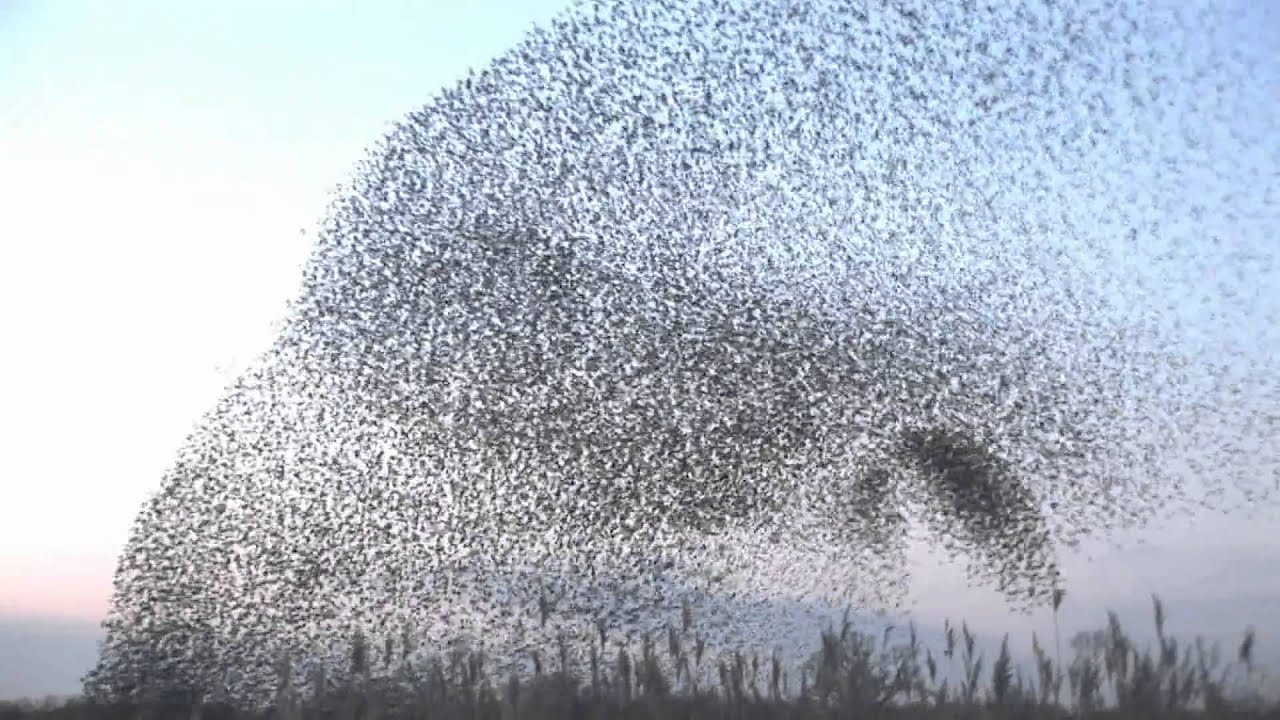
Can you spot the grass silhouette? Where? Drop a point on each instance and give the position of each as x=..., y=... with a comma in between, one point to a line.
x=853, y=674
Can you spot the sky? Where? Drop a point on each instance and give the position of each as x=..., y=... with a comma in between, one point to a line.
x=161, y=167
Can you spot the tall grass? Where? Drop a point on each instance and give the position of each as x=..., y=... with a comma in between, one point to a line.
x=852, y=674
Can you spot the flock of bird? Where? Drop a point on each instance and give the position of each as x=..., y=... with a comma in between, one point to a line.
x=708, y=304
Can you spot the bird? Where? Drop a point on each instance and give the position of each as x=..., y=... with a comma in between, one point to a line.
x=604, y=317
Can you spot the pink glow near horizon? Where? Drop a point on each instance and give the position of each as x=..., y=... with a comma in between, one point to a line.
x=73, y=586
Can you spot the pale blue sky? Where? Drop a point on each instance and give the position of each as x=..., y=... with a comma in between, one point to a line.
x=157, y=163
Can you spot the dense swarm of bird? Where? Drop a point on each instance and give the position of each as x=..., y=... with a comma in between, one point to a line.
x=675, y=289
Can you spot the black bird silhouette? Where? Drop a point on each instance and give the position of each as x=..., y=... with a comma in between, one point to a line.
x=681, y=302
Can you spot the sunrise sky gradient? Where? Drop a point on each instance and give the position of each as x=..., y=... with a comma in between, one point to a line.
x=161, y=165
